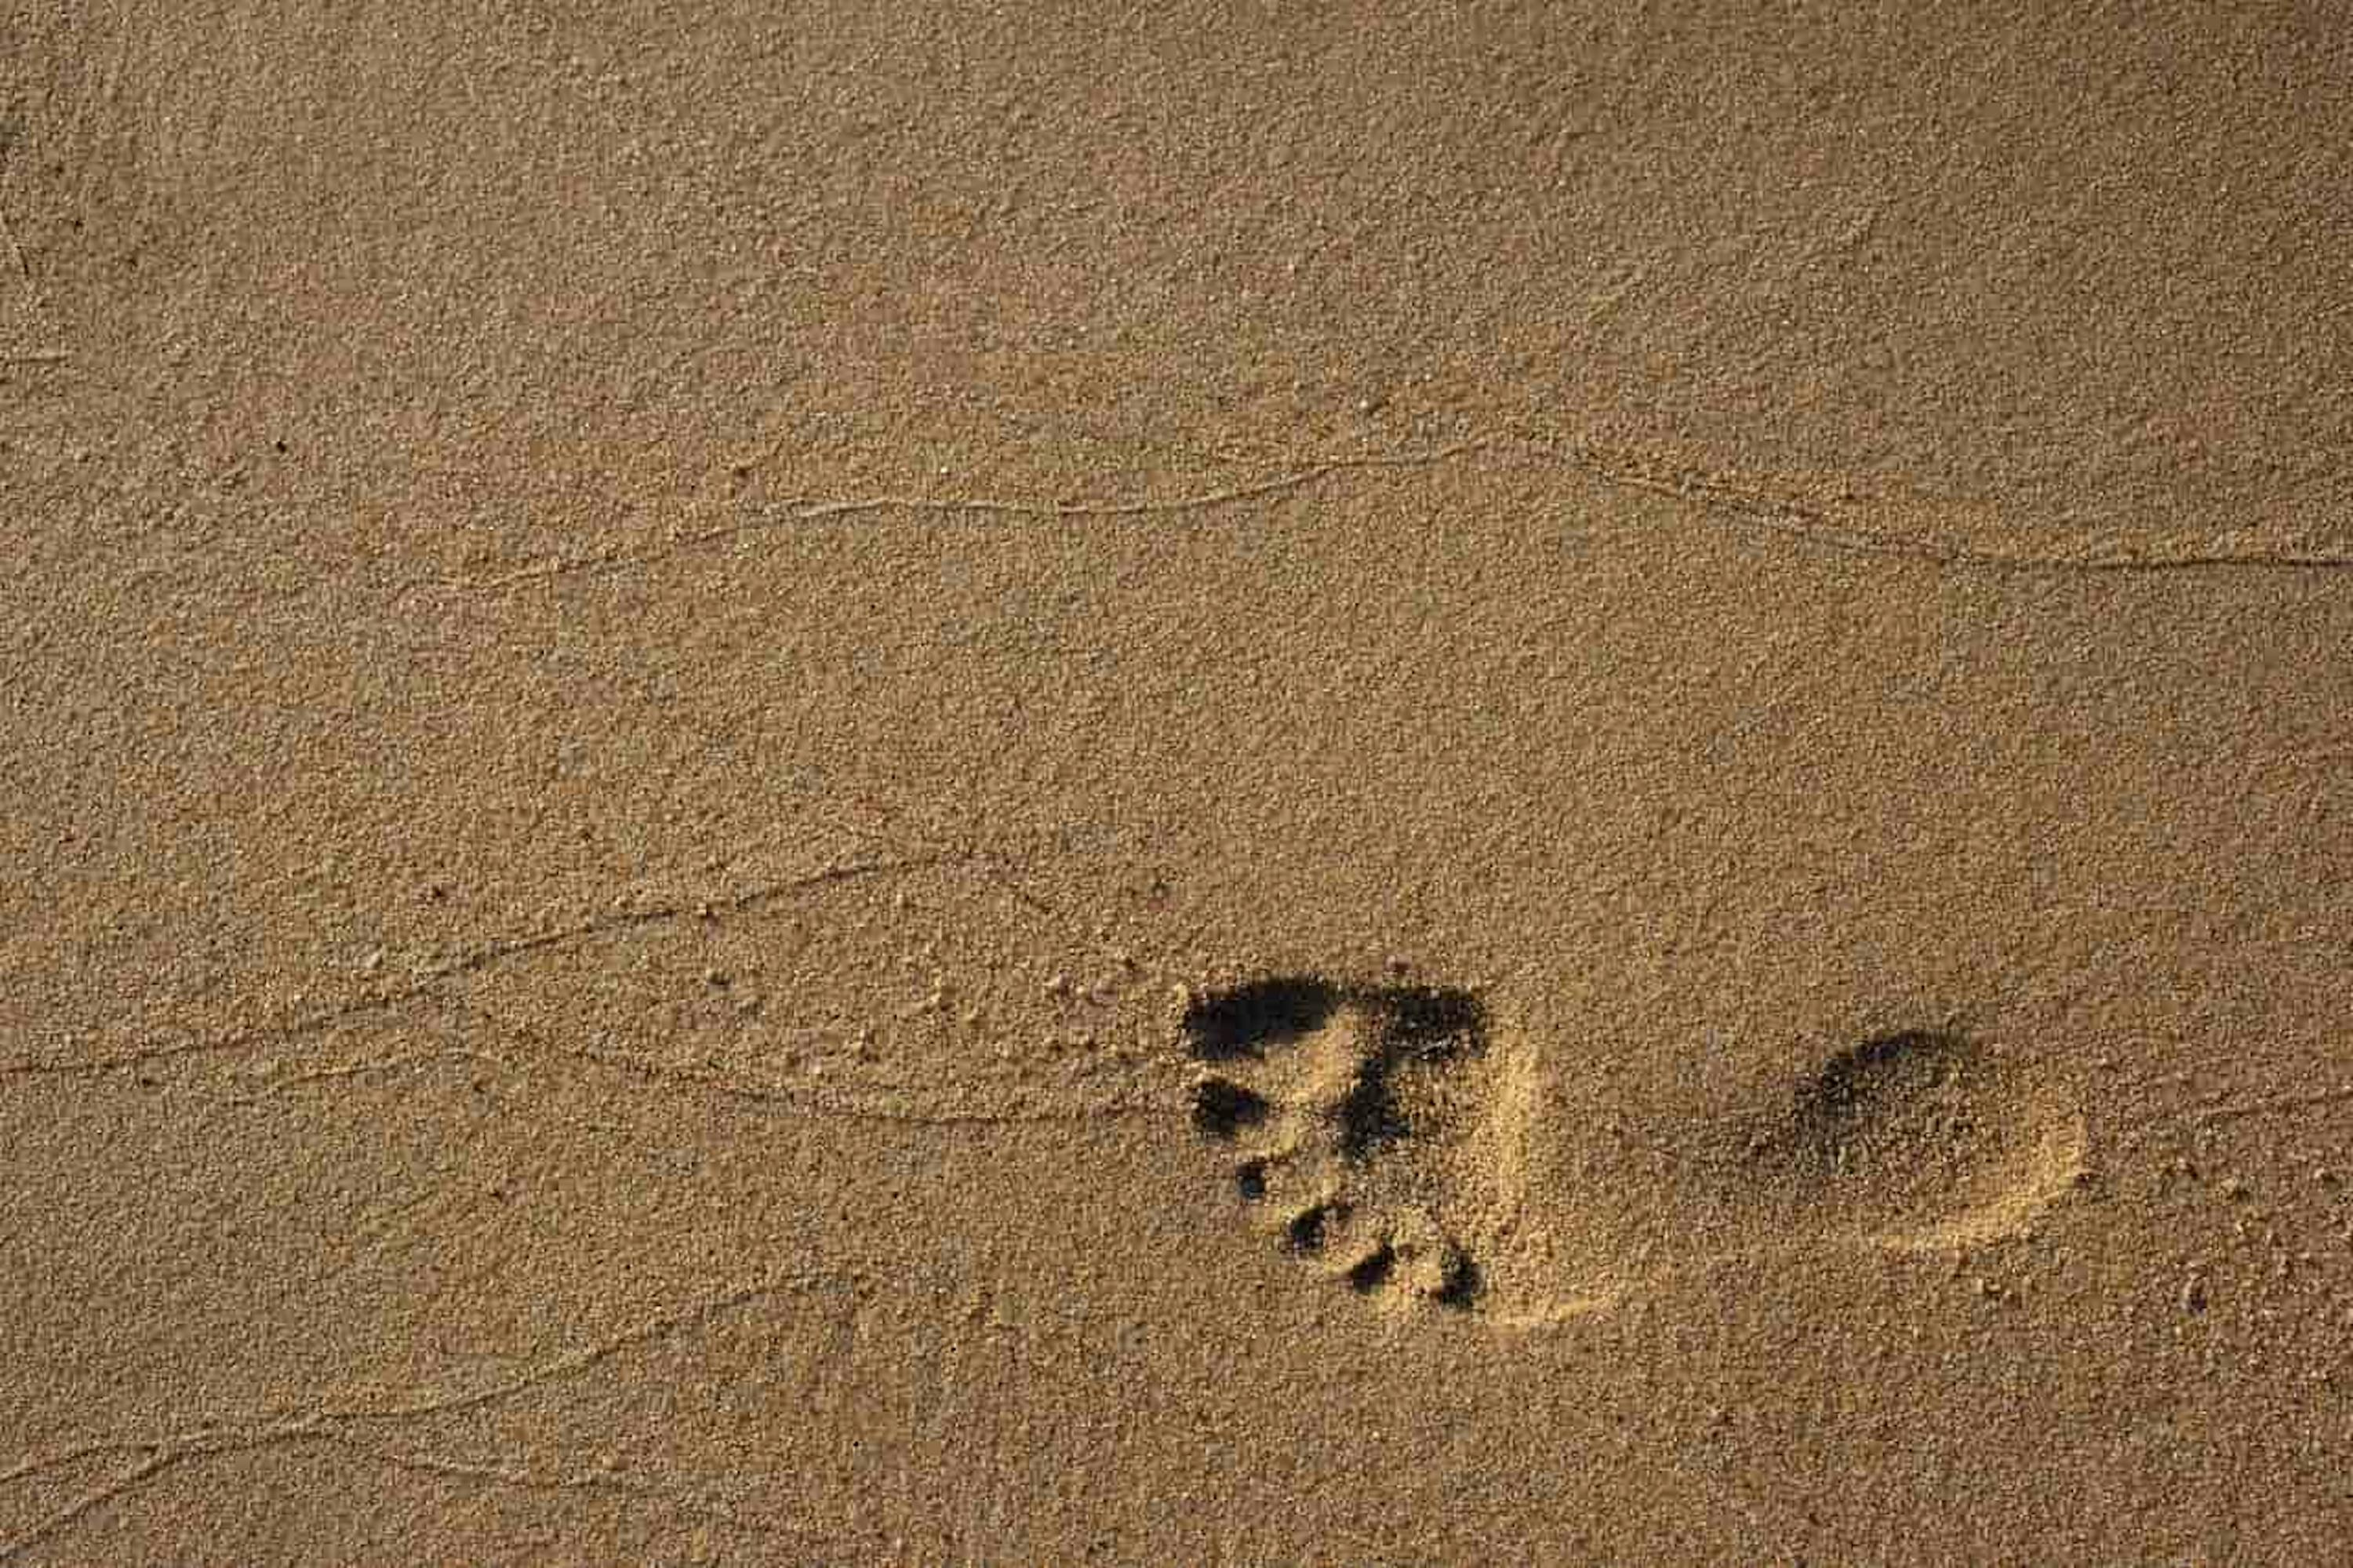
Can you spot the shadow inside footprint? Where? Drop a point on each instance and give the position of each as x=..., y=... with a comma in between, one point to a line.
x=1371, y=1272
x=1892, y=1097
x=1916, y=1139
x=1432, y=1022
x=1222, y=1109
x=1247, y=1020
x=1369, y=1115
x=1416, y=1027
x=1349, y=1105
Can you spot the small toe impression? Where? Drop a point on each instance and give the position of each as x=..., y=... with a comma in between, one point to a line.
x=1222, y=1108
x=1310, y=1229
x=1432, y=1265
x=1451, y=1280
x=1372, y=1271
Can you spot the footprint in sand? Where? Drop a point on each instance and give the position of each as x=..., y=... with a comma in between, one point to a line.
x=1400, y=1140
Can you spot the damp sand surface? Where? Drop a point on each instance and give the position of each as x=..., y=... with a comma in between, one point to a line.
x=878, y=785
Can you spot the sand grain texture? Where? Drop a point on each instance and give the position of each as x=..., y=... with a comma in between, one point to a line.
x=888, y=784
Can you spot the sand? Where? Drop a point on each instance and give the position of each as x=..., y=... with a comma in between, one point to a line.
x=1247, y=785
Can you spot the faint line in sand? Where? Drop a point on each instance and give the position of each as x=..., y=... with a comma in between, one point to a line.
x=330, y=1420
x=32, y=299
x=786, y=512
x=2244, y=1110
x=965, y=1102
x=883, y=1103
x=968, y=1103
x=24, y=268
x=1747, y=504
x=483, y=958
x=1760, y=508
x=894, y=1103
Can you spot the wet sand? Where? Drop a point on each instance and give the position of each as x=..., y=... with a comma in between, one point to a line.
x=1419, y=786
